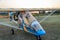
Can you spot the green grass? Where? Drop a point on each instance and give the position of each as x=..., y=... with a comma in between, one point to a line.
x=7, y=21
x=52, y=27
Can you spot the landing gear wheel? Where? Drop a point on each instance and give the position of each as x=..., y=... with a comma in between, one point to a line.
x=12, y=31
x=38, y=37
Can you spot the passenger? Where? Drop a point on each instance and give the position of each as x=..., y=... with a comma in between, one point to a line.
x=20, y=20
x=11, y=14
x=26, y=22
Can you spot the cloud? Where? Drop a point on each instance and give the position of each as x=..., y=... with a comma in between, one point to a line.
x=30, y=4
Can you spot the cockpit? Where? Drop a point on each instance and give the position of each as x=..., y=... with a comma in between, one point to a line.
x=36, y=26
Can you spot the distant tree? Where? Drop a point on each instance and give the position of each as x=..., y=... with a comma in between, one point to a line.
x=3, y=13
x=57, y=12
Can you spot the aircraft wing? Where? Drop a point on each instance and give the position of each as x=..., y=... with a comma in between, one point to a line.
x=7, y=23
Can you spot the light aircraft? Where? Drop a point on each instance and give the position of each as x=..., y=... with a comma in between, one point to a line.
x=29, y=24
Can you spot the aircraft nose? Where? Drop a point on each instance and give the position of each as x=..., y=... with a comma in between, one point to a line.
x=41, y=32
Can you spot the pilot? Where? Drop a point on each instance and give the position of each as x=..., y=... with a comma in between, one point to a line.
x=11, y=14
x=22, y=19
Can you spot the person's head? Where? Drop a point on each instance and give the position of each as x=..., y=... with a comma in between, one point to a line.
x=10, y=11
x=22, y=12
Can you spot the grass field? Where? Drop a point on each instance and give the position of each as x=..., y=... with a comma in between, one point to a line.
x=51, y=26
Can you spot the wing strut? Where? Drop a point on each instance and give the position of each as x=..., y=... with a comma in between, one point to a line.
x=47, y=16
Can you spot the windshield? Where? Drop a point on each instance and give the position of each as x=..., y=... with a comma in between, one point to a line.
x=36, y=26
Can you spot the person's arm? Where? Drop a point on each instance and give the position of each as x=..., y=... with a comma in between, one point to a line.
x=19, y=18
x=9, y=13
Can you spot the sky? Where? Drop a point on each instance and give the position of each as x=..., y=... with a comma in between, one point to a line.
x=29, y=3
